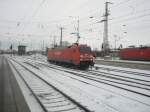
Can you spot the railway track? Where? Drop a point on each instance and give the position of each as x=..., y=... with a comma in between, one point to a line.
x=128, y=80
x=123, y=71
x=137, y=86
x=127, y=87
x=49, y=97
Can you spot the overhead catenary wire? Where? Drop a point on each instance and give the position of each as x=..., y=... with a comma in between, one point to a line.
x=120, y=3
x=35, y=12
x=56, y=20
x=121, y=17
x=84, y=24
x=130, y=14
x=132, y=18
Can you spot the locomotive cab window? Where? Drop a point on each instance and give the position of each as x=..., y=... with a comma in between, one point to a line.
x=85, y=49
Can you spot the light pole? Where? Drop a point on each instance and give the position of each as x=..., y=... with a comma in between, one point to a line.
x=115, y=36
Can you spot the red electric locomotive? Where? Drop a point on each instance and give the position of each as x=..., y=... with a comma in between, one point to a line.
x=140, y=53
x=77, y=55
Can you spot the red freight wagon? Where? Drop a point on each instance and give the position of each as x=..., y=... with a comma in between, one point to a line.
x=77, y=55
x=142, y=53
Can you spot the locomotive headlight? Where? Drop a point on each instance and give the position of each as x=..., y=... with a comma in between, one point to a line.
x=91, y=56
x=81, y=56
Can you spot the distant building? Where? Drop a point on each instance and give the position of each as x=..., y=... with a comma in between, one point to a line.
x=21, y=50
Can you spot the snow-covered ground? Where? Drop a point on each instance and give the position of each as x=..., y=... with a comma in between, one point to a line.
x=126, y=61
x=122, y=68
x=96, y=96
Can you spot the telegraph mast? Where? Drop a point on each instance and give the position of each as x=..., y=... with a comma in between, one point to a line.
x=105, y=45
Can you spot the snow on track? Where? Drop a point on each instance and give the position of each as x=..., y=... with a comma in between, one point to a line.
x=96, y=96
x=49, y=97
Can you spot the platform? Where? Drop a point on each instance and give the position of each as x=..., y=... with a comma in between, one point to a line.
x=11, y=98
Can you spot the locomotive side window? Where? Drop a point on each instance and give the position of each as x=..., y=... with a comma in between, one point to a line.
x=85, y=49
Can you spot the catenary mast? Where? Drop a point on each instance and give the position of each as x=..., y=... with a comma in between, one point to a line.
x=105, y=45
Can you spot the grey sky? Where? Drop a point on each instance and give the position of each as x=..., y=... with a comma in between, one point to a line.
x=31, y=22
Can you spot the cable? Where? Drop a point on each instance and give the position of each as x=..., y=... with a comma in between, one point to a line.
x=36, y=11
x=120, y=3
x=133, y=18
x=120, y=17
x=130, y=14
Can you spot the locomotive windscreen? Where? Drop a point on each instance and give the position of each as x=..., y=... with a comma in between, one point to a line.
x=85, y=49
